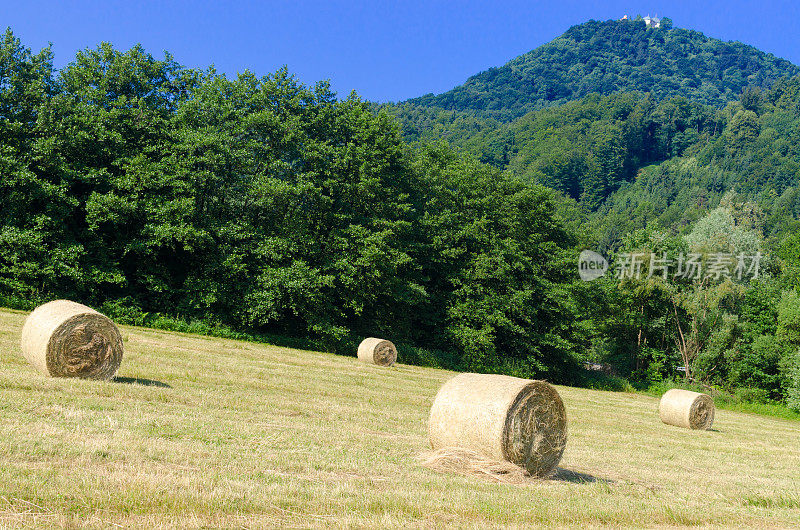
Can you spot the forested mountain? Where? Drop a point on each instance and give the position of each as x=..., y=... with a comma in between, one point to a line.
x=659, y=141
x=487, y=115
x=610, y=56
x=639, y=95
x=629, y=159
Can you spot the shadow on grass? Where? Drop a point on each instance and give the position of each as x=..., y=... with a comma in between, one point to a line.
x=567, y=475
x=138, y=381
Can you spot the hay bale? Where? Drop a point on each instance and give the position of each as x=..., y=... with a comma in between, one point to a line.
x=67, y=339
x=684, y=408
x=502, y=418
x=377, y=351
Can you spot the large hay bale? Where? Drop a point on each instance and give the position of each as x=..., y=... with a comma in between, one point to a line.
x=377, y=351
x=503, y=418
x=67, y=339
x=684, y=408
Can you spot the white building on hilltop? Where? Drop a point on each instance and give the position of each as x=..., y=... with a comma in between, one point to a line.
x=654, y=22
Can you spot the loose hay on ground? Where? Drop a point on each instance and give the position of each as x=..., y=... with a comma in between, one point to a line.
x=66, y=339
x=472, y=464
x=501, y=418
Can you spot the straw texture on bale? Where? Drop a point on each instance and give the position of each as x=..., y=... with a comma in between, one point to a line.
x=67, y=339
x=684, y=408
x=502, y=418
x=377, y=351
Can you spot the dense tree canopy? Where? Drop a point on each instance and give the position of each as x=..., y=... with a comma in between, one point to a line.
x=134, y=184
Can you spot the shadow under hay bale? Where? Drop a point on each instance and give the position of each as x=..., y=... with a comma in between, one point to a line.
x=576, y=477
x=684, y=408
x=66, y=339
x=502, y=419
x=139, y=381
x=377, y=351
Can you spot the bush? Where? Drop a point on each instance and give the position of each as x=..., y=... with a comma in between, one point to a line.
x=752, y=395
x=789, y=318
x=125, y=311
x=655, y=363
x=759, y=366
x=600, y=381
x=792, y=368
x=408, y=354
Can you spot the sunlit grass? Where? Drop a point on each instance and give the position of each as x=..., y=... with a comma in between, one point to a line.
x=210, y=432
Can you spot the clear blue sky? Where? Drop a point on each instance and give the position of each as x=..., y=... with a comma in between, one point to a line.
x=386, y=51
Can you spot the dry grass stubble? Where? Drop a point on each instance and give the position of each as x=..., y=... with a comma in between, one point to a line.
x=247, y=435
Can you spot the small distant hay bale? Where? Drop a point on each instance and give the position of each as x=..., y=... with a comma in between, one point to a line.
x=66, y=339
x=684, y=408
x=377, y=351
x=501, y=418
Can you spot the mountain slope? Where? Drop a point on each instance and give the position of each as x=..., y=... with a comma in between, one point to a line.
x=612, y=56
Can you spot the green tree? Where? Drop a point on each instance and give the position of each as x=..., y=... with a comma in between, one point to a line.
x=743, y=129
x=499, y=259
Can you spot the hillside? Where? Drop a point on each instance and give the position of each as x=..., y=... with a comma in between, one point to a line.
x=200, y=432
x=589, y=148
x=612, y=56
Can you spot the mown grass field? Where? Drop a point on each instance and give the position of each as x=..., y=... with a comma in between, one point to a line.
x=206, y=432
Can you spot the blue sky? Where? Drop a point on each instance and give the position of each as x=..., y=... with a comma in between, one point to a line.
x=386, y=51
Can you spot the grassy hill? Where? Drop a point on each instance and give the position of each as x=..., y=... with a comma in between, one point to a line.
x=200, y=431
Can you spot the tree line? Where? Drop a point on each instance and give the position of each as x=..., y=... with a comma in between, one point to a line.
x=142, y=187
x=145, y=188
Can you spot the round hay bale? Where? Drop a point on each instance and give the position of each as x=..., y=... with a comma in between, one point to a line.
x=377, y=351
x=503, y=418
x=67, y=339
x=684, y=408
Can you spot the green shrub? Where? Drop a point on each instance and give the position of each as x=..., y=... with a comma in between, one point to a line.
x=789, y=318
x=600, y=381
x=759, y=366
x=433, y=358
x=793, y=382
x=752, y=395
